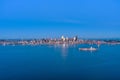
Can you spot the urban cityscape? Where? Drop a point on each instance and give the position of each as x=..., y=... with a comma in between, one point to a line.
x=54, y=41
x=59, y=39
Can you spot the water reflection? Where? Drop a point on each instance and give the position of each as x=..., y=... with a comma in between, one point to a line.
x=63, y=49
x=98, y=45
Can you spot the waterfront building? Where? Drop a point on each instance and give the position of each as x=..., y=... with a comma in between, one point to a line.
x=63, y=38
x=75, y=38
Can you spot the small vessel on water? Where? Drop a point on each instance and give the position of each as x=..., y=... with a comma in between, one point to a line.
x=88, y=49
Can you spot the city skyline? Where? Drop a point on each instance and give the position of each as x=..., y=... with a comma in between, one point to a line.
x=46, y=19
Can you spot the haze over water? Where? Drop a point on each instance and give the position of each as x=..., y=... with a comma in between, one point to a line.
x=47, y=62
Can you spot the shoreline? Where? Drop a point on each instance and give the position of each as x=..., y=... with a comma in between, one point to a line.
x=57, y=42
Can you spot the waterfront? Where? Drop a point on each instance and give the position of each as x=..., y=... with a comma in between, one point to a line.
x=58, y=41
x=59, y=62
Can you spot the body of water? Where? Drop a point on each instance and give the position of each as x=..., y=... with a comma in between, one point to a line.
x=60, y=62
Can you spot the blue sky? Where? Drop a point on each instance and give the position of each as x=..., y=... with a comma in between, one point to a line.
x=53, y=18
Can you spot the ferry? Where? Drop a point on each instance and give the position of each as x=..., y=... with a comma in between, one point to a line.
x=88, y=49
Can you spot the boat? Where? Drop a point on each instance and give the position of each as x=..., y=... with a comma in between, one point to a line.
x=88, y=49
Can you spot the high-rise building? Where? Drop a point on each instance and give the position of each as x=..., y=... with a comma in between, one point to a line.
x=75, y=38
x=63, y=38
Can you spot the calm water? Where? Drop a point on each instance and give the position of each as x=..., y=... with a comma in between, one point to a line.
x=59, y=63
